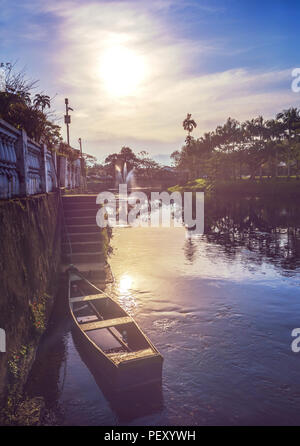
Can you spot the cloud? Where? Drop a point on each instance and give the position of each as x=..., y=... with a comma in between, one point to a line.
x=151, y=116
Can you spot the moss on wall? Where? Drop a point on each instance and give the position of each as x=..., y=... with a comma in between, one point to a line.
x=29, y=268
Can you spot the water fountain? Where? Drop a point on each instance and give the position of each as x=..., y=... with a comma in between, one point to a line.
x=123, y=180
x=124, y=177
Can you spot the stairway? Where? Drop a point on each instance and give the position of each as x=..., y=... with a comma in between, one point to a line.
x=82, y=232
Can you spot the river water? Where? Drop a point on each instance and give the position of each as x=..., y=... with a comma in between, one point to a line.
x=220, y=308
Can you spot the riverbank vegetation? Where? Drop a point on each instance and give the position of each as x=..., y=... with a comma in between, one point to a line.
x=280, y=186
x=238, y=154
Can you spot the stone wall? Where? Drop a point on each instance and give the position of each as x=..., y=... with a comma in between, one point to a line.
x=29, y=268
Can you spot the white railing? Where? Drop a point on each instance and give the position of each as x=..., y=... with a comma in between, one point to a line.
x=51, y=169
x=28, y=168
x=34, y=168
x=9, y=178
x=70, y=173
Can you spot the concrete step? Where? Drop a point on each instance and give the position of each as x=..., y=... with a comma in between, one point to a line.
x=79, y=201
x=79, y=197
x=82, y=231
x=84, y=257
x=98, y=271
x=82, y=228
x=69, y=206
x=86, y=212
x=82, y=237
x=82, y=220
x=81, y=247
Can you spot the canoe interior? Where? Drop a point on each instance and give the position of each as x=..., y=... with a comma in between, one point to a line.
x=108, y=326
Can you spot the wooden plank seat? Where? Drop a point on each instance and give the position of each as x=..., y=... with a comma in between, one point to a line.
x=119, y=357
x=87, y=319
x=106, y=323
x=86, y=298
x=74, y=278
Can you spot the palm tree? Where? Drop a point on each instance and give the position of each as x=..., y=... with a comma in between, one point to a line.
x=256, y=134
x=189, y=125
x=41, y=100
x=291, y=120
x=275, y=133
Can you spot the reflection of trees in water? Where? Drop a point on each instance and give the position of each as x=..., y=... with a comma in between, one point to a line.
x=268, y=228
x=190, y=250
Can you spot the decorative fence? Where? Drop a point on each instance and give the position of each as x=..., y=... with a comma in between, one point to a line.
x=70, y=173
x=9, y=178
x=28, y=168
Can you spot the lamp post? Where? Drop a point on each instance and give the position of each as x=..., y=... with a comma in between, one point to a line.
x=68, y=119
x=81, y=165
x=80, y=145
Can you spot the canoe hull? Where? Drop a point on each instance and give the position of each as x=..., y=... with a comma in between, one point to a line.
x=125, y=376
x=135, y=362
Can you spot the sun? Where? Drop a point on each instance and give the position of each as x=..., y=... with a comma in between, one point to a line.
x=122, y=70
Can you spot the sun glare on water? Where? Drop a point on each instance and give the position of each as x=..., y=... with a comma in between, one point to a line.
x=122, y=70
x=125, y=283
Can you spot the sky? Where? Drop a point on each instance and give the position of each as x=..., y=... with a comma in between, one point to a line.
x=132, y=70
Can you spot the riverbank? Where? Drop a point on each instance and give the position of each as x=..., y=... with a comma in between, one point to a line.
x=29, y=269
x=244, y=187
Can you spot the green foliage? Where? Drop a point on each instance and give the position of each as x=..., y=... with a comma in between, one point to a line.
x=199, y=185
x=41, y=100
x=16, y=360
x=189, y=124
x=38, y=311
x=142, y=163
x=147, y=166
x=281, y=186
x=65, y=150
x=13, y=365
x=18, y=108
x=19, y=409
x=234, y=150
x=114, y=160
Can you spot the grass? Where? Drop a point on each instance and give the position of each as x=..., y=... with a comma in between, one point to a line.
x=200, y=185
x=282, y=186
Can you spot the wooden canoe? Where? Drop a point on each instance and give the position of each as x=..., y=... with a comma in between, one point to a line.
x=117, y=346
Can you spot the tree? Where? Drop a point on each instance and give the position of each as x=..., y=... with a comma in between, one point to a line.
x=291, y=120
x=176, y=157
x=127, y=156
x=274, y=144
x=234, y=148
x=189, y=124
x=115, y=160
x=17, y=108
x=41, y=100
x=146, y=165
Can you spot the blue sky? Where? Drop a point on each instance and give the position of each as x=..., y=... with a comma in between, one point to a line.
x=133, y=69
